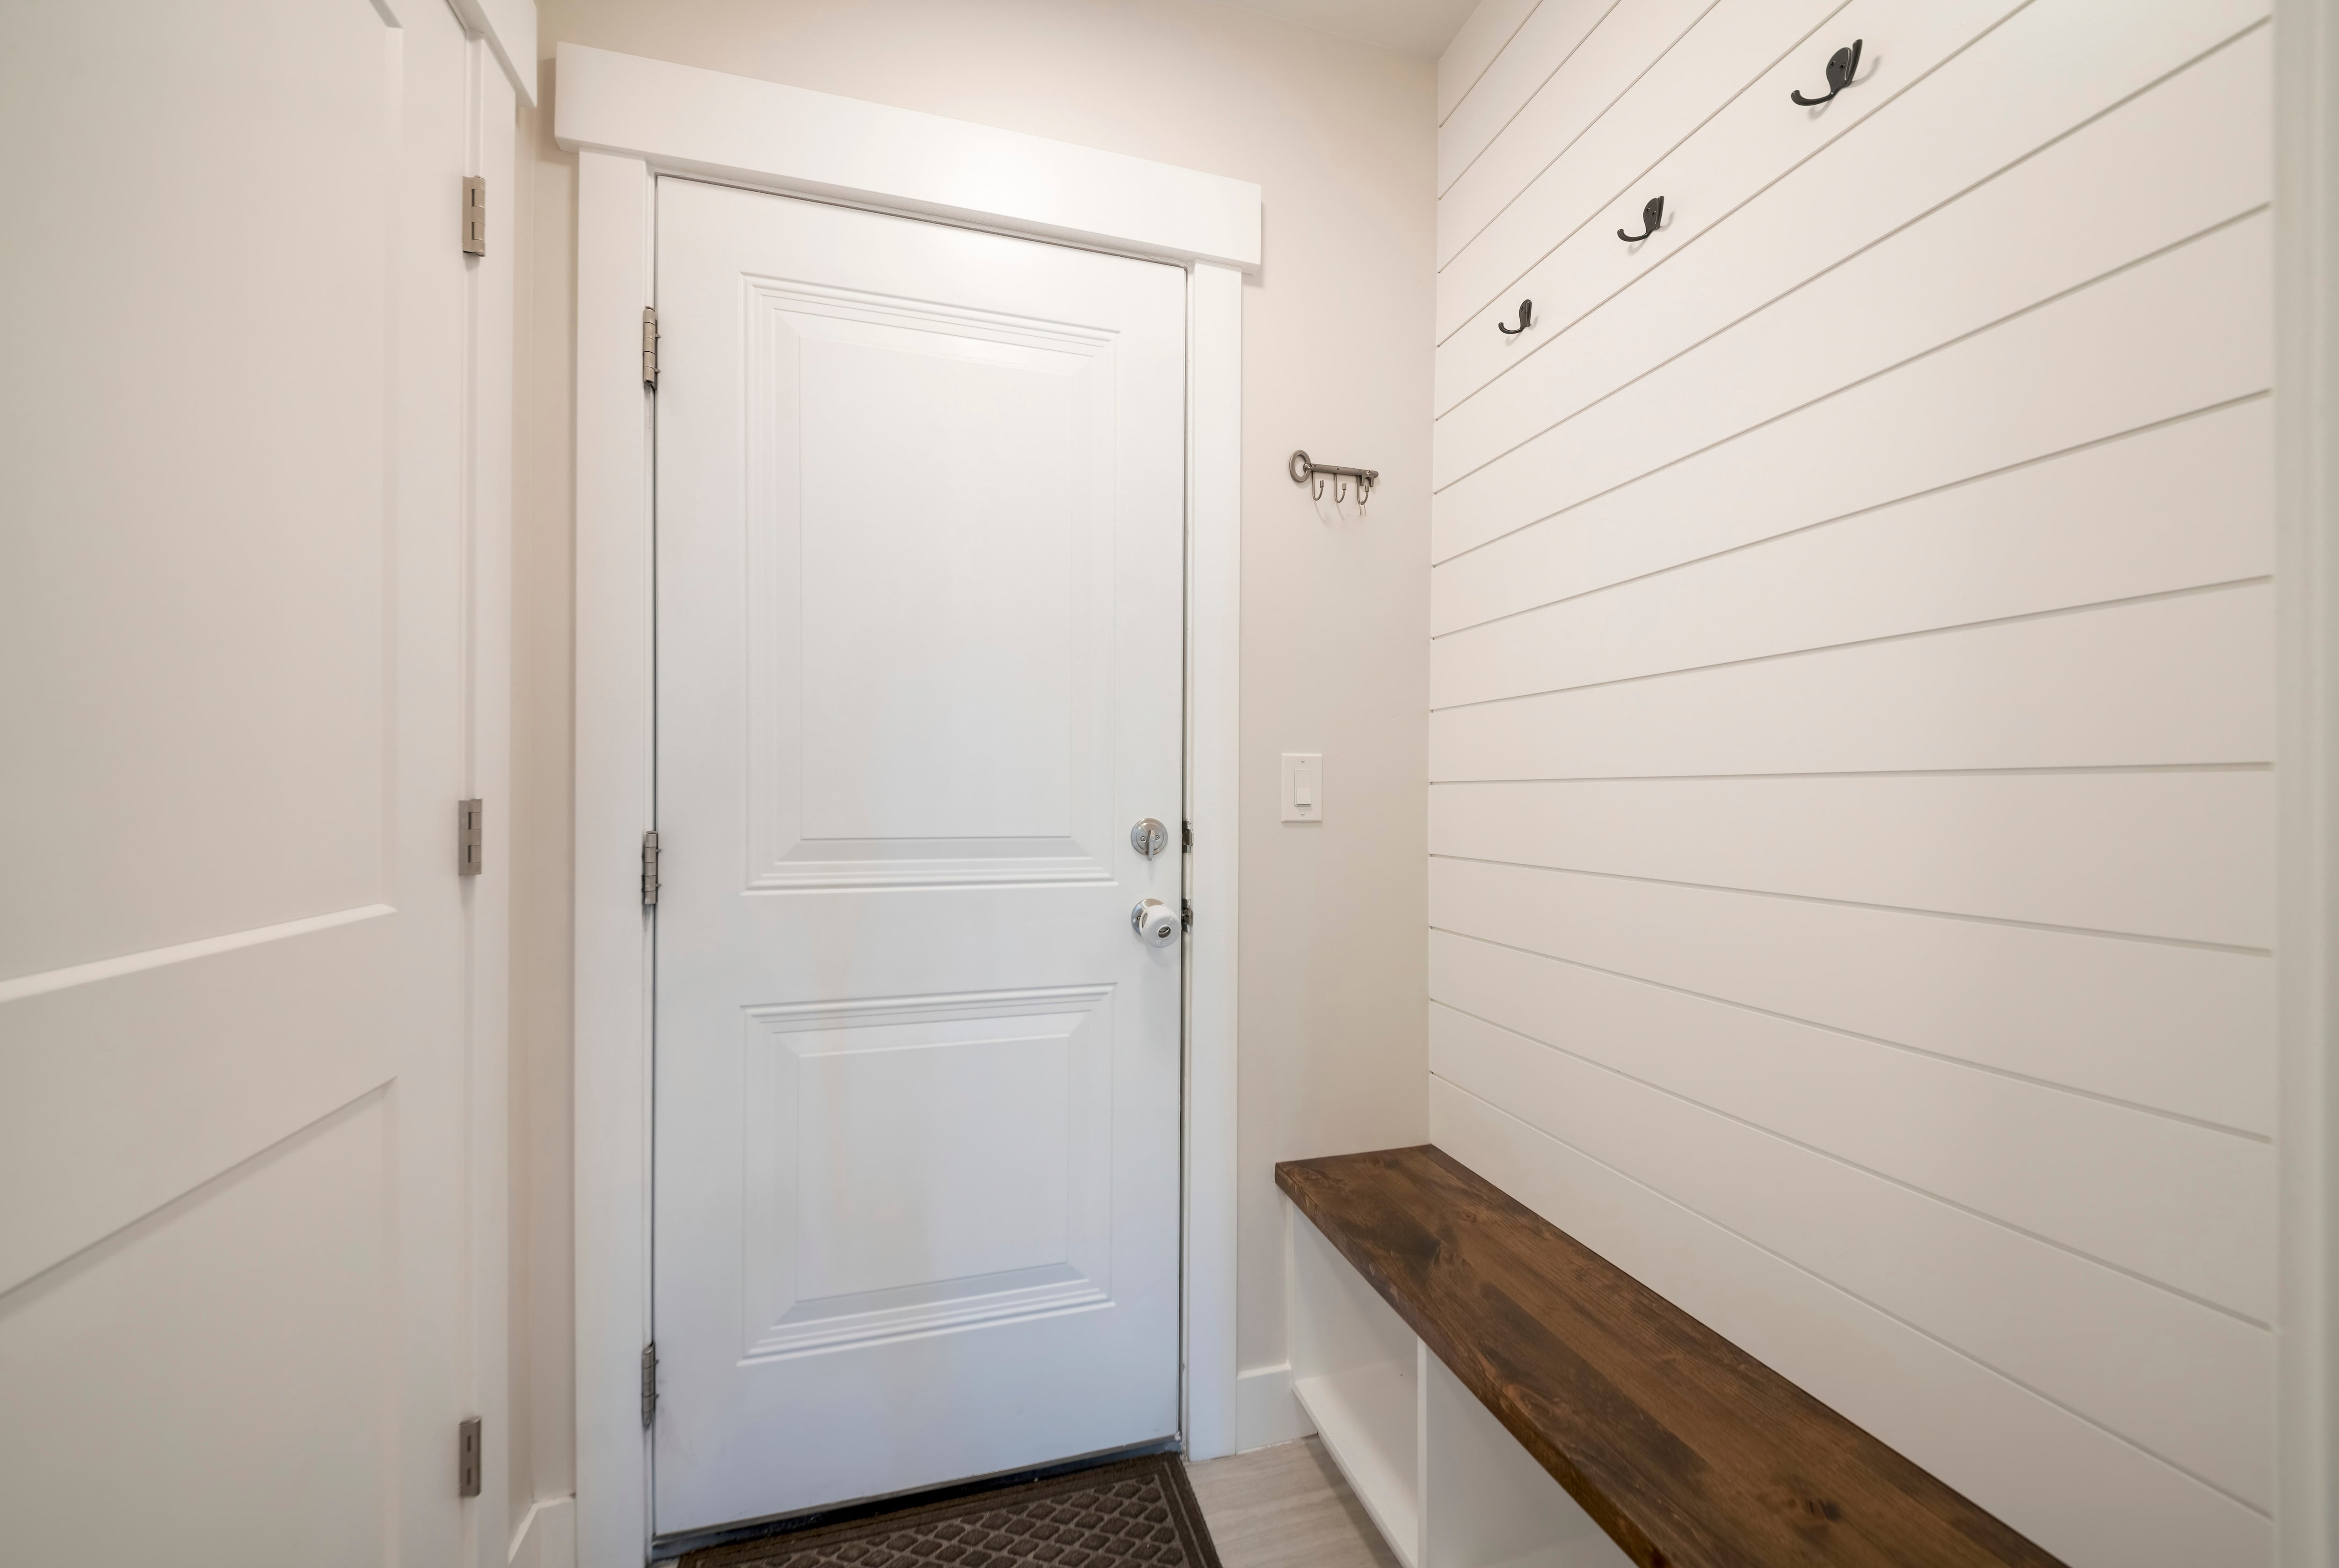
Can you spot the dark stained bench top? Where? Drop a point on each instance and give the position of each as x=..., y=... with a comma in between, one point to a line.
x=1689, y=1452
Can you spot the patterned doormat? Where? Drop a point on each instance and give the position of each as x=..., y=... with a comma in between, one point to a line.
x=1136, y=1513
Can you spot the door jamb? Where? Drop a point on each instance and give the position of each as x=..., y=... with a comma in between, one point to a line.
x=490, y=152
x=2306, y=776
x=629, y=120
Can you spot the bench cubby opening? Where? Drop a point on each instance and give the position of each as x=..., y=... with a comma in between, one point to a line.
x=1355, y=1371
x=1435, y=1471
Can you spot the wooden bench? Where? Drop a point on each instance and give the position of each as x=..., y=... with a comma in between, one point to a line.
x=1684, y=1450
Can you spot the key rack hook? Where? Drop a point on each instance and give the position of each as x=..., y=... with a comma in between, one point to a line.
x=1302, y=468
x=1526, y=319
x=1650, y=216
x=1842, y=66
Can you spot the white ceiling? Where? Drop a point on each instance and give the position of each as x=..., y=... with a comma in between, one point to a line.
x=1419, y=27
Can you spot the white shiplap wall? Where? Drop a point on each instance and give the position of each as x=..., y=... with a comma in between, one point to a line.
x=1852, y=712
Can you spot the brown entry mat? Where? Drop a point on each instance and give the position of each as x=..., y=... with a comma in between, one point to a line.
x=1139, y=1512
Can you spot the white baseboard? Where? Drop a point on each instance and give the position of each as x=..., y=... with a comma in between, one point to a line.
x=547, y=1536
x=1266, y=1410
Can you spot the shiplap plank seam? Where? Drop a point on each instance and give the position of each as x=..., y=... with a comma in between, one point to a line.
x=2204, y=251
x=2059, y=1086
x=2113, y=770
x=2060, y=1169
x=2182, y=680
x=1476, y=278
x=2125, y=188
x=1601, y=96
x=1490, y=295
x=2034, y=1380
x=1472, y=279
x=2229, y=1314
x=1525, y=89
x=2108, y=933
x=1613, y=172
x=1488, y=13
x=1445, y=572
x=2010, y=319
x=1626, y=320
x=1622, y=539
x=1882, y=639
x=2186, y=854
x=2125, y=1018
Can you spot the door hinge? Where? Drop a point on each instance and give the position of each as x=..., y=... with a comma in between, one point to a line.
x=1186, y=913
x=1186, y=838
x=474, y=216
x=468, y=1464
x=649, y=347
x=470, y=838
x=649, y=1383
x=649, y=868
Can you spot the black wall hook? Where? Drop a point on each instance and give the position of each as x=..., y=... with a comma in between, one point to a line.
x=1526, y=319
x=1842, y=66
x=1650, y=216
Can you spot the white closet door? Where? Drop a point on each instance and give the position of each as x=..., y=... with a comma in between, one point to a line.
x=920, y=530
x=232, y=1018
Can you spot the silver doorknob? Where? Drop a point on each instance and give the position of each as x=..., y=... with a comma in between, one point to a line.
x=1149, y=838
x=1156, y=922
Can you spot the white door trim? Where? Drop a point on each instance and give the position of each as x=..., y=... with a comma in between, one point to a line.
x=508, y=27
x=493, y=138
x=631, y=118
x=2306, y=404
x=738, y=130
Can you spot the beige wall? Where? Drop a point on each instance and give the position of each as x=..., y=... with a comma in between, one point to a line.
x=1336, y=359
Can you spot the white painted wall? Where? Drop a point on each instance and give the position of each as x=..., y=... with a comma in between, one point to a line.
x=1852, y=713
x=1339, y=135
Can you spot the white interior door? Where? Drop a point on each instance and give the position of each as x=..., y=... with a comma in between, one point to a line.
x=920, y=525
x=232, y=1018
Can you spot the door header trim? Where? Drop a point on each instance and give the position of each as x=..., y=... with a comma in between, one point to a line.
x=679, y=119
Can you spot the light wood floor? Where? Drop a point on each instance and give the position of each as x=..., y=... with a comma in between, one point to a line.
x=1285, y=1507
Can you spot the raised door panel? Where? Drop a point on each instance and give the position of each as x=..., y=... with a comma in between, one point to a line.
x=925, y=1164
x=930, y=541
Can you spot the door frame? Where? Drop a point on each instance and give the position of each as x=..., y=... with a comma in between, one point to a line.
x=630, y=120
x=500, y=38
x=2306, y=774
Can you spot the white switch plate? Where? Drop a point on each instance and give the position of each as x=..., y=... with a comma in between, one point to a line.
x=1303, y=786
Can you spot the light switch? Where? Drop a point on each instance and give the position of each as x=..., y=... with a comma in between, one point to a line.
x=1303, y=786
